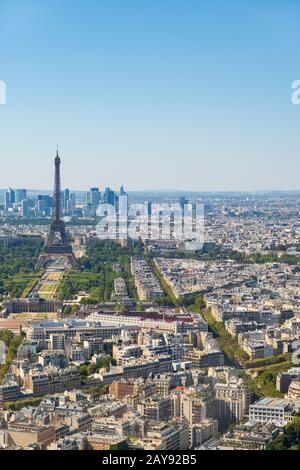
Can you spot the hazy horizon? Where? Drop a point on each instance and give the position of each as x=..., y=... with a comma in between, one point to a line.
x=161, y=191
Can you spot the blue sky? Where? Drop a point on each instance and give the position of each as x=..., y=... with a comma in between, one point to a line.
x=155, y=94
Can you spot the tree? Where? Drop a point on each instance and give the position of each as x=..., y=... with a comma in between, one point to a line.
x=290, y=439
x=91, y=369
x=279, y=443
x=140, y=308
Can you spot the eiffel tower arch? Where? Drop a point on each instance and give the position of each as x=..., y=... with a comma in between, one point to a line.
x=58, y=243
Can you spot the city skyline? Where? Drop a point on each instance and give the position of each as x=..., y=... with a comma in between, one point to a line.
x=149, y=229
x=158, y=97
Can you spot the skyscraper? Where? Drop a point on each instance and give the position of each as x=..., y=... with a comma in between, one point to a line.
x=45, y=204
x=7, y=201
x=122, y=202
x=10, y=198
x=20, y=194
x=65, y=199
x=25, y=207
x=95, y=197
x=109, y=196
x=71, y=204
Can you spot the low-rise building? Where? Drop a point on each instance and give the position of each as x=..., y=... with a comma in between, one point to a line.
x=271, y=410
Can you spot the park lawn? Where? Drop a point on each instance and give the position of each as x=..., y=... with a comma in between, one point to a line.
x=19, y=285
x=48, y=288
x=54, y=276
x=47, y=291
x=97, y=285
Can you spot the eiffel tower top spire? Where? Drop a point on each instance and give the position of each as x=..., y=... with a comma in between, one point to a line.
x=57, y=158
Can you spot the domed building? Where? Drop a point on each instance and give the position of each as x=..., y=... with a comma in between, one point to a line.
x=294, y=390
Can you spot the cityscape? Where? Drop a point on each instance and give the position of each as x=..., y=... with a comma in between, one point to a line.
x=139, y=344
x=149, y=232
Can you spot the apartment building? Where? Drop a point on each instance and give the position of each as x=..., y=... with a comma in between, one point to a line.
x=52, y=380
x=156, y=408
x=24, y=434
x=147, y=285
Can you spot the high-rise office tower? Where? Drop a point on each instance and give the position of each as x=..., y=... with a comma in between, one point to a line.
x=10, y=198
x=20, y=194
x=121, y=208
x=95, y=198
x=7, y=201
x=109, y=196
x=25, y=207
x=65, y=199
x=122, y=201
x=71, y=205
x=45, y=203
x=88, y=199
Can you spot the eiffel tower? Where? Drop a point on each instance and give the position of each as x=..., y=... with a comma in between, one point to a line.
x=58, y=243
